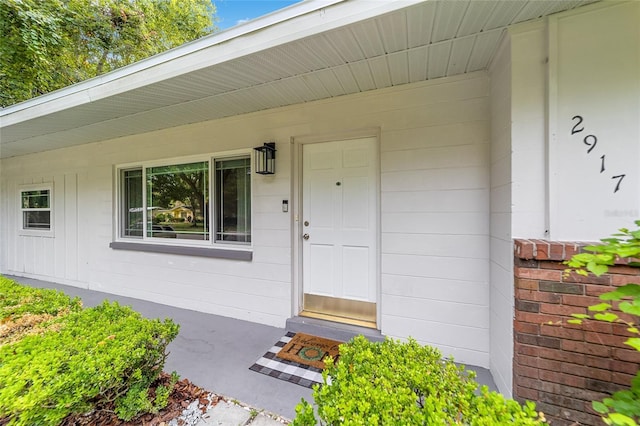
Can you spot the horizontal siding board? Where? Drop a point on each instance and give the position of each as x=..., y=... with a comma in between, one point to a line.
x=462, y=133
x=272, y=221
x=444, y=113
x=127, y=286
x=460, y=201
x=476, y=270
x=452, y=313
x=437, y=289
x=439, y=333
x=267, y=204
x=436, y=179
x=161, y=264
x=276, y=255
x=178, y=281
x=271, y=238
x=435, y=158
x=473, y=223
x=462, y=246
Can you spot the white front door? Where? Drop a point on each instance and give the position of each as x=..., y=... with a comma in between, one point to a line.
x=339, y=230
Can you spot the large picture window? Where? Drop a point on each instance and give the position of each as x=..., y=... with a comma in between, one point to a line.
x=178, y=201
x=171, y=202
x=36, y=209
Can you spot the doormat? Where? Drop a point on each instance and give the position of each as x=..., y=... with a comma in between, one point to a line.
x=284, y=369
x=310, y=350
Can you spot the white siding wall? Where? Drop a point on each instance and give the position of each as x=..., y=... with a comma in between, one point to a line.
x=528, y=130
x=501, y=242
x=518, y=174
x=434, y=218
x=594, y=73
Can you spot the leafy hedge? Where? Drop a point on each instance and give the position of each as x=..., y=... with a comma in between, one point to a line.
x=81, y=360
x=393, y=383
x=24, y=310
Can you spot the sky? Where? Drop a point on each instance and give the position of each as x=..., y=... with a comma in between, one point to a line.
x=234, y=12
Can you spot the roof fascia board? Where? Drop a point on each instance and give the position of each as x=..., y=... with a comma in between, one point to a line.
x=294, y=23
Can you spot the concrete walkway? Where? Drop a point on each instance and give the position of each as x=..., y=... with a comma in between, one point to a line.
x=232, y=413
x=215, y=353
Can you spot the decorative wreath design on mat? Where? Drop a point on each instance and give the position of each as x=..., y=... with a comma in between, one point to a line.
x=311, y=353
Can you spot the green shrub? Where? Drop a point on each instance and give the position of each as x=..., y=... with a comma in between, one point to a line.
x=96, y=355
x=16, y=300
x=393, y=383
x=25, y=310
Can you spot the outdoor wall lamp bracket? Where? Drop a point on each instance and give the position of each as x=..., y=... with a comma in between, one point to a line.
x=265, y=158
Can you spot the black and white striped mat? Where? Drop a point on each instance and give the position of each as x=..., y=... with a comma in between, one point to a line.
x=290, y=371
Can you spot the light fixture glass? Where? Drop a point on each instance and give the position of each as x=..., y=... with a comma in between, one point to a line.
x=265, y=158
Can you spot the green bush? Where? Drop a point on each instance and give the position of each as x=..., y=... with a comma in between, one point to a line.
x=393, y=383
x=16, y=300
x=84, y=360
x=25, y=310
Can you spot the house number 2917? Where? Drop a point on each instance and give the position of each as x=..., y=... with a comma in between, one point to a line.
x=591, y=141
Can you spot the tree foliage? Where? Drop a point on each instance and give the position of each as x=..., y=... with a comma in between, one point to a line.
x=49, y=44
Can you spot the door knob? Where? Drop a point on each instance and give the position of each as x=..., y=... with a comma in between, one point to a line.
x=305, y=236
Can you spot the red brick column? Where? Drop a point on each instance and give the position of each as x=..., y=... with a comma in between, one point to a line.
x=561, y=366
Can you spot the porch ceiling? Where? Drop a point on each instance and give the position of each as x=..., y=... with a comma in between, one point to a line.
x=313, y=50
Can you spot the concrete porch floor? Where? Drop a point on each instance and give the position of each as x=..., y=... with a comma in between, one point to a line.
x=215, y=352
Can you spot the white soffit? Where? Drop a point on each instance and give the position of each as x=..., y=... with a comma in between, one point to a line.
x=313, y=50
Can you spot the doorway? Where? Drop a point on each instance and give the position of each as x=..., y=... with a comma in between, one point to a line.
x=339, y=223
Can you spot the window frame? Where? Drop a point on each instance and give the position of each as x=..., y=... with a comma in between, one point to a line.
x=175, y=245
x=213, y=205
x=36, y=232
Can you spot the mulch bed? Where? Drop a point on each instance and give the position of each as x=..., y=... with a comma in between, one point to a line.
x=184, y=393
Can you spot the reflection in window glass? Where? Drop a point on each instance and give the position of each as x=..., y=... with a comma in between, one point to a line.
x=35, y=199
x=36, y=209
x=178, y=201
x=233, y=200
x=36, y=219
x=132, y=203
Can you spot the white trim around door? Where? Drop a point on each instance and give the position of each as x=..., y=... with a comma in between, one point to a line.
x=336, y=229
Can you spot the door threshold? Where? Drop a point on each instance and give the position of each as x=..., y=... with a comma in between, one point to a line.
x=339, y=319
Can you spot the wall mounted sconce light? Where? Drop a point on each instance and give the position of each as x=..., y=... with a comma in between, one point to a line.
x=265, y=158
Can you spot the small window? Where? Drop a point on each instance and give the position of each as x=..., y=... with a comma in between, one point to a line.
x=233, y=200
x=36, y=209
